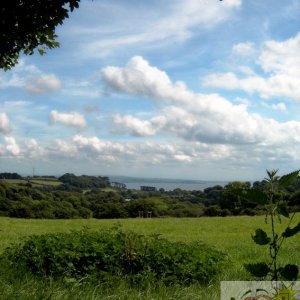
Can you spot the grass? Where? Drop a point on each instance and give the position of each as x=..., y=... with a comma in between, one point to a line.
x=230, y=235
x=35, y=181
x=45, y=182
x=15, y=181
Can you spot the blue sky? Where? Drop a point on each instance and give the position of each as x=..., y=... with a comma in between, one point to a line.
x=198, y=89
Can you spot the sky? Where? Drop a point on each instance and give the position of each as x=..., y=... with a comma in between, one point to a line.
x=193, y=89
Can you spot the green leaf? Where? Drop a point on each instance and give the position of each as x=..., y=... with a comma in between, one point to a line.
x=282, y=209
x=258, y=269
x=291, y=231
x=261, y=237
x=253, y=195
x=290, y=272
x=288, y=179
x=41, y=51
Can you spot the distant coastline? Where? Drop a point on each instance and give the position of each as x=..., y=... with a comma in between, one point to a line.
x=165, y=183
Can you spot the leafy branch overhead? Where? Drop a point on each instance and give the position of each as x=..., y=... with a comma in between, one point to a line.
x=28, y=24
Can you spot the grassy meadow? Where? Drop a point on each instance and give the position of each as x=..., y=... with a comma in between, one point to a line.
x=232, y=235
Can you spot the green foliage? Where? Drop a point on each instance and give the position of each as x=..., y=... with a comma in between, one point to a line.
x=291, y=231
x=10, y=176
x=115, y=253
x=28, y=24
x=261, y=237
x=288, y=179
x=91, y=196
x=275, y=207
x=213, y=211
x=289, y=272
x=84, y=181
x=258, y=269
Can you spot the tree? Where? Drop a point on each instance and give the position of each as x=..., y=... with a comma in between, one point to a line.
x=230, y=199
x=28, y=24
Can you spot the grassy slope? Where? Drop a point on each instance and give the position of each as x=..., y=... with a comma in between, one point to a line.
x=35, y=181
x=230, y=234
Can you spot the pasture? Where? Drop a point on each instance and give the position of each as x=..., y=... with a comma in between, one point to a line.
x=232, y=235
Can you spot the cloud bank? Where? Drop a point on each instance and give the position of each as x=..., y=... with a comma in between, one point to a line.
x=72, y=119
x=279, y=62
x=192, y=116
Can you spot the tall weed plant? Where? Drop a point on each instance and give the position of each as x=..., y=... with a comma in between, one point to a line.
x=276, y=208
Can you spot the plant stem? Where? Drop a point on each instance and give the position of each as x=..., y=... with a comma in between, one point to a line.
x=273, y=245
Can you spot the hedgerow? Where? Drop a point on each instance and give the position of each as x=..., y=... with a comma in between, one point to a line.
x=114, y=253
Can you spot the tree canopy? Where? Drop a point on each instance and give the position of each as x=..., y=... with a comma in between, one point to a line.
x=30, y=24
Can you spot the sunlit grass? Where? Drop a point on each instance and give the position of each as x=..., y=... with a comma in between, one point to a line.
x=232, y=235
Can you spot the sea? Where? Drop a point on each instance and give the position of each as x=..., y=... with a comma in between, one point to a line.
x=166, y=184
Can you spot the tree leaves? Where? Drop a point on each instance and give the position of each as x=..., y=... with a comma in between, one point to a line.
x=291, y=231
x=282, y=209
x=260, y=269
x=289, y=272
x=252, y=195
x=26, y=25
x=261, y=237
x=288, y=179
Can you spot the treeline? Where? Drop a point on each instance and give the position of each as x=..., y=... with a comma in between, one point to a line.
x=72, y=181
x=10, y=176
x=90, y=196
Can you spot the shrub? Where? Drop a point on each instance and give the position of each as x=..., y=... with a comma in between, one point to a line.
x=111, y=253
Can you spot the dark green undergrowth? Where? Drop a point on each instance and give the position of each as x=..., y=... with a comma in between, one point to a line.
x=109, y=255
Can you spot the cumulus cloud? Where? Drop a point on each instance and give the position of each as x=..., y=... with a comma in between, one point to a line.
x=191, y=116
x=98, y=155
x=32, y=148
x=72, y=119
x=43, y=84
x=153, y=152
x=10, y=147
x=4, y=123
x=138, y=77
x=279, y=61
x=137, y=126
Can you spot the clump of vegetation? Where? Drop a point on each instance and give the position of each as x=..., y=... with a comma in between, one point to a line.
x=271, y=197
x=114, y=253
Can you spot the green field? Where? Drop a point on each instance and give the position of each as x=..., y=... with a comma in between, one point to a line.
x=39, y=181
x=42, y=181
x=231, y=235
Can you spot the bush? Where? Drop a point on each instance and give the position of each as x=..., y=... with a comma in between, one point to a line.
x=213, y=211
x=111, y=253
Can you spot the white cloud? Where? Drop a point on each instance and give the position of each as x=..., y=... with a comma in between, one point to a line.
x=276, y=106
x=72, y=119
x=4, y=123
x=31, y=78
x=171, y=21
x=43, y=84
x=152, y=152
x=191, y=116
x=137, y=126
x=32, y=148
x=280, y=63
x=139, y=78
x=12, y=81
x=60, y=148
x=94, y=155
x=243, y=49
x=10, y=147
